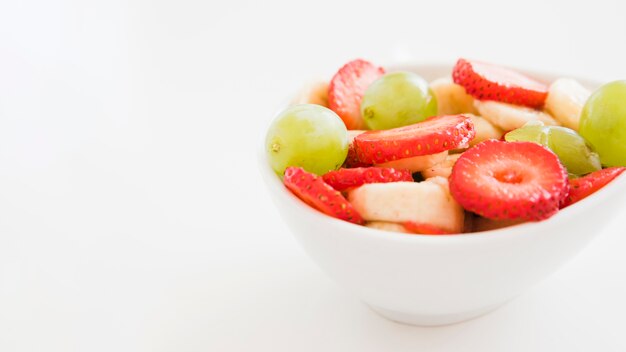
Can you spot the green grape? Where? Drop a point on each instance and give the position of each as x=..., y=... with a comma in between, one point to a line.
x=573, y=151
x=307, y=135
x=397, y=99
x=603, y=123
x=571, y=148
x=537, y=133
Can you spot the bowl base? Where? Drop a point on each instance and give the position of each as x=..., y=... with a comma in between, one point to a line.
x=430, y=319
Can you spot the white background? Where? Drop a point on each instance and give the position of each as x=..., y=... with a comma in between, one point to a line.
x=132, y=215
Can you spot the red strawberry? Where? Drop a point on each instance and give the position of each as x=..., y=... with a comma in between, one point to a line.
x=424, y=229
x=351, y=159
x=346, y=90
x=431, y=136
x=315, y=192
x=509, y=180
x=582, y=187
x=344, y=179
x=489, y=82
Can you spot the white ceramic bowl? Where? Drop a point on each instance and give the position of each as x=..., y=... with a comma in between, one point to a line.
x=437, y=280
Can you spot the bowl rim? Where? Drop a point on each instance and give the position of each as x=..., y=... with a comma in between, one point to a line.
x=275, y=186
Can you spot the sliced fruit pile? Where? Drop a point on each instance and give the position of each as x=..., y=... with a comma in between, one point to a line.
x=485, y=148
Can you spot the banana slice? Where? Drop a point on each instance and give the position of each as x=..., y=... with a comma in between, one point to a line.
x=416, y=163
x=451, y=97
x=427, y=202
x=386, y=226
x=484, y=130
x=565, y=101
x=313, y=93
x=443, y=169
x=509, y=117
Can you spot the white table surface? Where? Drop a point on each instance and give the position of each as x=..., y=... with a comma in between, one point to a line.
x=132, y=215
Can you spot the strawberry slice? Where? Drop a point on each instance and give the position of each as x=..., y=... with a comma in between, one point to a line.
x=490, y=82
x=346, y=90
x=351, y=159
x=582, y=187
x=434, y=135
x=344, y=179
x=424, y=229
x=315, y=192
x=509, y=180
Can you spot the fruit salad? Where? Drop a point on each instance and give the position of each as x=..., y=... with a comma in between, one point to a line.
x=484, y=148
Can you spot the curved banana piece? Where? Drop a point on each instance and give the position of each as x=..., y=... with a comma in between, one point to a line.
x=386, y=226
x=313, y=93
x=451, y=97
x=443, y=169
x=427, y=202
x=509, y=117
x=565, y=101
x=416, y=163
x=484, y=130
